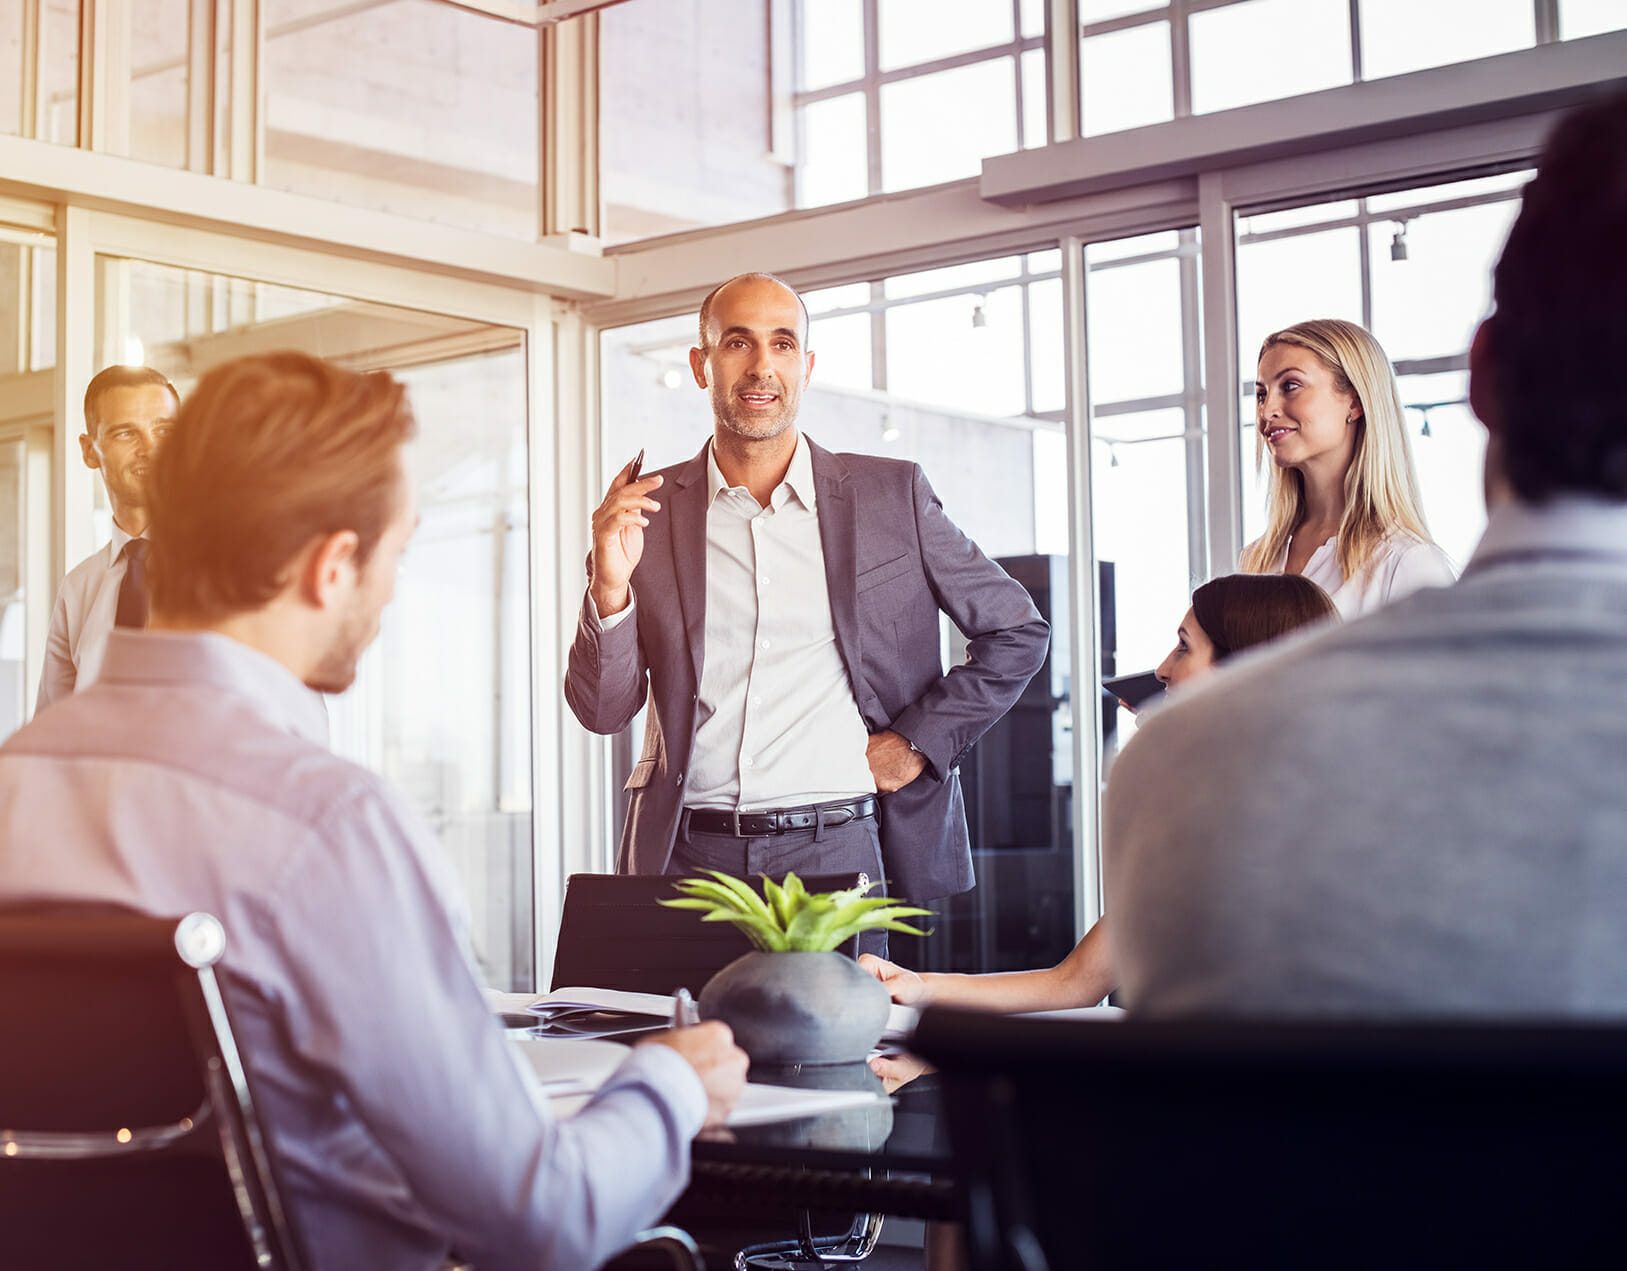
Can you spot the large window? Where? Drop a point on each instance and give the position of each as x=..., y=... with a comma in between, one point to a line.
x=1143, y=62
x=39, y=70
x=895, y=94
x=442, y=699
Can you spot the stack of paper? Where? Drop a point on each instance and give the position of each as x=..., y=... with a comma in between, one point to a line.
x=587, y=1012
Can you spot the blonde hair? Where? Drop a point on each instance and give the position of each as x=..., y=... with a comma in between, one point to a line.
x=1381, y=484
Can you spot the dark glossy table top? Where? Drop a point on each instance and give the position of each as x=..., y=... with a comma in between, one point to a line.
x=891, y=1157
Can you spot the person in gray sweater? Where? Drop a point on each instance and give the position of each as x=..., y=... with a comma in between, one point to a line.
x=1424, y=812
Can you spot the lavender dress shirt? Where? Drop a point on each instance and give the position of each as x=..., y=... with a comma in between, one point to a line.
x=404, y=1124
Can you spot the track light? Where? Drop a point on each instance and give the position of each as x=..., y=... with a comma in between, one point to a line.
x=1398, y=244
x=979, y=318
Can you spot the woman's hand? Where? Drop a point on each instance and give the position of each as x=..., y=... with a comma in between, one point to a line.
x=898, y=1068
x=903, y=985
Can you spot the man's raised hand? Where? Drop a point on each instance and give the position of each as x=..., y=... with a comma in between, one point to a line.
x=618, y=538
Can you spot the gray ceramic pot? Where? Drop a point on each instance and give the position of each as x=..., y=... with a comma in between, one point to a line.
x=798, y=1008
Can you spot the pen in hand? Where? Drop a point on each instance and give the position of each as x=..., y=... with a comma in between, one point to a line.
x=684, y=1013
x=636, y=467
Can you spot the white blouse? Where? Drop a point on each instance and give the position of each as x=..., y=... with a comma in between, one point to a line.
x=1402, y=565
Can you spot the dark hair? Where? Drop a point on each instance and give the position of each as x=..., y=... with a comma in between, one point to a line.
x=1241, y=610
x=706, y=305
x=111, y=377
x=269, y=452
x=1559, y=328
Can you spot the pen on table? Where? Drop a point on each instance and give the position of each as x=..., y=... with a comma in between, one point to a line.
x=683, y=1010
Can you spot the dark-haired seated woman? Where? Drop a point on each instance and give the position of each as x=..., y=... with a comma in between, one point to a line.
x=1228, y=615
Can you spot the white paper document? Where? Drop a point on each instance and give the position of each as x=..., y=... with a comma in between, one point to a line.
x=759, y=1104
x=571, y=1065
x=571, y=1069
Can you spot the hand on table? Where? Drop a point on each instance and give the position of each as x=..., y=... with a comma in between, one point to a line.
x=618, y=538
x=898, y=1068
x=721, y=1065
x=892, y=763
x=903, y=985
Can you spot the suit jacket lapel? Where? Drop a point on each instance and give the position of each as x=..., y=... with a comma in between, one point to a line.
x=839, y=538
x=687, y=508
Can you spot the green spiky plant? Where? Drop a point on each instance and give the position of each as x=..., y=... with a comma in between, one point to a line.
x=788, y=918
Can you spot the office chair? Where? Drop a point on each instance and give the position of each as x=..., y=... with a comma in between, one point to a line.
x=1283, y=1144
x=127, y=1135
x=614, y=934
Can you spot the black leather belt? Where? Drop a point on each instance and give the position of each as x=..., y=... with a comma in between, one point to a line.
x=779, y=820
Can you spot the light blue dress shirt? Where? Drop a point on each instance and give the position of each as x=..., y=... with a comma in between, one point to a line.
x=192, y=775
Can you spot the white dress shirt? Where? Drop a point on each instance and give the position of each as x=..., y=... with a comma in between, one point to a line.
x=1401, y=565
x=403, y=1121
x=776, y=725
x=86, y=605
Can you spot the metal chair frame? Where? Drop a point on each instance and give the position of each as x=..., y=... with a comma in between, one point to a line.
x=222, y=1127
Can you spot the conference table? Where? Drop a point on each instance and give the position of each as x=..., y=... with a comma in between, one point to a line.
x=892, y=1158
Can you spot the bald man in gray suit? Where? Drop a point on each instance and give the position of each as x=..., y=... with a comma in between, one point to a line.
x=778, y=604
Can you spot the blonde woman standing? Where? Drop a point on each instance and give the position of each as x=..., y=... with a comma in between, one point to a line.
x=1344, y=507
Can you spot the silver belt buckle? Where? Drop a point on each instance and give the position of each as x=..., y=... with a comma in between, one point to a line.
x=737, y=831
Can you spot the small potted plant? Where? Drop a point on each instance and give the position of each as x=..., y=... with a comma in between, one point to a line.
x=796, y=1000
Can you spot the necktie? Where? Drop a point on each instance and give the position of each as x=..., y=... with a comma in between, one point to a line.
x=132, y=611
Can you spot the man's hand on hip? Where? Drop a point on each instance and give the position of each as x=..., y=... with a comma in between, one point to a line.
x=618, y=539
x=721, y=1065
x=894, y=763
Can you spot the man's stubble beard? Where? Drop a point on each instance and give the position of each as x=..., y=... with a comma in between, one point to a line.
x=751, y=425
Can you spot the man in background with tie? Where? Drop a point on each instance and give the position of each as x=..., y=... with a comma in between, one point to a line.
x=128, y=409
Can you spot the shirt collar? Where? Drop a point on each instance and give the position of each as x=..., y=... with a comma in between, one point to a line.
x=1571, y=525
x=798, y=478
x=119, y=539
x=181, y=658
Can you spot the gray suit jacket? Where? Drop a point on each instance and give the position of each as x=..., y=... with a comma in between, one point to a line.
x=892, y=561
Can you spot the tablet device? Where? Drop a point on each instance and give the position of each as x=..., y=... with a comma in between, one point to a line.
x=1134, y=691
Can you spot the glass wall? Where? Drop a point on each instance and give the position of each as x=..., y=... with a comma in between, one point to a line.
x=160, y=32
x=688, y=129
x=442, y=700
x=409, y=106
x=39, y=70
x=1144, y=366
x=27, y=365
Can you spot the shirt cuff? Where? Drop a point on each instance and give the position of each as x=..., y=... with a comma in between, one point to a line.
x=666, y=1071
x=616, y=619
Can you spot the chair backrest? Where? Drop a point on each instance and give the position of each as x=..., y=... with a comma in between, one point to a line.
x=127, y=1135
x=613, y=934
x=1152, y=1144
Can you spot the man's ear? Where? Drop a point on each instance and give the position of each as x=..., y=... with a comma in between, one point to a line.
x=807, y=371
x=328, y=571
x=1483, y=375
x=88, y=452
x=697, y=366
